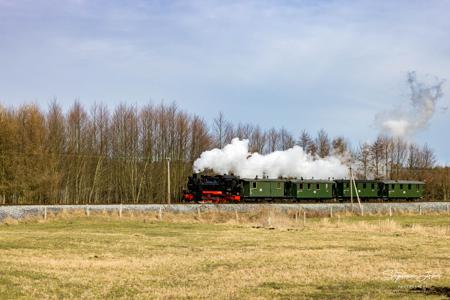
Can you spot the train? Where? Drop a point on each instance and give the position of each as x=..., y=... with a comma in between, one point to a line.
x=233, y=189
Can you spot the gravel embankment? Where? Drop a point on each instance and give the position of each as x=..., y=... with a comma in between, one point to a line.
x=19, y=212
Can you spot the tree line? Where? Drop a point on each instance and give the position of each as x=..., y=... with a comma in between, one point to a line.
x=96, y=155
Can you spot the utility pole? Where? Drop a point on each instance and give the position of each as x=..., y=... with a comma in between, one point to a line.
x=351, y=188
x=445, y=183
x=168, y=180
x=352, y=181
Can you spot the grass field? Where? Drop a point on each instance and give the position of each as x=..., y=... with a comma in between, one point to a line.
x=224, y=257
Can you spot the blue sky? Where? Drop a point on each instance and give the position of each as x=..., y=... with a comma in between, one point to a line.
x=297, y=64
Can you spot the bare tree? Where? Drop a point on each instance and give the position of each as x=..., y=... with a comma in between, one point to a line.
x=286, y=139
x=340, y=146
x=305, y=140
x=312, y=149
x=398, y=156
x=200, y=140
x=413, y=156
x=219, y=125
x=387, y=150
x=223, y=131
x=229, y=133
x=363, y=158
x=244, y=131
x=273, y=139
x=376, y=156
x=55, y=146
x=323, y=143
x=427, y=157
x=257, y=140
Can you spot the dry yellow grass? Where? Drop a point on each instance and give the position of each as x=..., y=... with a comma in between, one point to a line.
x=262, y=255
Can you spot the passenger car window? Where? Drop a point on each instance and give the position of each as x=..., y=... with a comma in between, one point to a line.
x=309, y=186
x=301, y=186
x=373, y=186
x=401, y=186
x=364, y=185
x=409, y=186
x=393, y=186
x=254, y=185
x=317, y=186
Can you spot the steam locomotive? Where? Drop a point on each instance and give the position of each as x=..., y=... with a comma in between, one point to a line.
x=232, y=189
x=217, y=189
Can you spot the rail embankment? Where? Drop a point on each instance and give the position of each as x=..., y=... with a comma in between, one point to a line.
x=21, y=212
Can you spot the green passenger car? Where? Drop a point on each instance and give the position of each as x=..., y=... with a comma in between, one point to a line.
x=311, y=189
x=402, y=189
x=263, y=188
x=365, y=188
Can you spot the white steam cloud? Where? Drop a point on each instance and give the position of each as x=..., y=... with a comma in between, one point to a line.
x=407, y=120
x=294, y=162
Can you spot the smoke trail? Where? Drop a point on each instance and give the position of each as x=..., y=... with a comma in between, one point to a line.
x=235, y=158
x=406, y=121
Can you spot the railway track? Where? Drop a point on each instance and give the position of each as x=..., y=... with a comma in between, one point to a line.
x=23, y=211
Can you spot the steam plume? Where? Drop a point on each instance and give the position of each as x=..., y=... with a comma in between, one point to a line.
x=293, y=162
x=407, y=121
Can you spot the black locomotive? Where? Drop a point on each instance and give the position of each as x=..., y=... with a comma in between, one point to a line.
x=217, y=189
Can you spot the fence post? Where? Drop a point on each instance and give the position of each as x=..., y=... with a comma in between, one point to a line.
x=420, y=210
x=331, y=211
x=304, y=218
x=390, y=211
x=120, y=210
x=45, y=212
x=296, y=216
x=87, y=210
x=160, y=214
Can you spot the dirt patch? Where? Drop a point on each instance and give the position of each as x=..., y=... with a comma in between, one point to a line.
x=432, y=290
